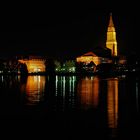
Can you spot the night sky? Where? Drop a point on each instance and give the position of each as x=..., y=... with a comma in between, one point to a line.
x=66, y=31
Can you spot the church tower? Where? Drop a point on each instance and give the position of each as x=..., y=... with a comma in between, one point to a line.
x=111, y=42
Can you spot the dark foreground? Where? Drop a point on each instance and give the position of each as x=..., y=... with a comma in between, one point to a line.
x=64, y=126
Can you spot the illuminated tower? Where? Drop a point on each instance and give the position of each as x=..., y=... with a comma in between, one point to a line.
x=111, y=41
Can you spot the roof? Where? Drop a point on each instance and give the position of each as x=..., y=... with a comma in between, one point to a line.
x=90, y=54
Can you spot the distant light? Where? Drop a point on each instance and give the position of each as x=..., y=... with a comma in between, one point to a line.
x=134, y=70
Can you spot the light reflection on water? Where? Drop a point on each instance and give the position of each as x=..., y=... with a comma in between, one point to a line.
x=34, y=89
x=88, y=91
x=112, y=100
x=65, y=92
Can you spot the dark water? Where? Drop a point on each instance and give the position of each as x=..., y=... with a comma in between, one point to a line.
x=88, y=106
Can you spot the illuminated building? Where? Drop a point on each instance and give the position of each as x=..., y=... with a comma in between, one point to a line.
x=102, y=54
x=92, y=57
x=34, y=64
x=88, y=57
x=111, y=42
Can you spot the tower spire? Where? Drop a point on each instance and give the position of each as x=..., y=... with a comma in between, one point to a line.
x=111, y=41
x=111, y=21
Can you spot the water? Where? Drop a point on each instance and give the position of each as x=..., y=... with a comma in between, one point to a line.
x=101, y=107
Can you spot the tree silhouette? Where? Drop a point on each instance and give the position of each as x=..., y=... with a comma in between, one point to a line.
x=23, y=68
x=50, y=66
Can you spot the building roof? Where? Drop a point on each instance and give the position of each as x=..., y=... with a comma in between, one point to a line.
x=99, y=52
x=90, y=54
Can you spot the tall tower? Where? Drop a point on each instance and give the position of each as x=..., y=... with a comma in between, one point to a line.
x=111, y=41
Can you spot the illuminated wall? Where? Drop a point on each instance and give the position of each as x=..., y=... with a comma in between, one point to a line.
x=111, y=42
x=34, y=65
x=92, y=57
x=88, y=59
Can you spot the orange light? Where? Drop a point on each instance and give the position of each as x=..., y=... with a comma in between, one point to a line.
x=88, y=59
x=112, y=103
x=88, y=89
x=34, y=66
x=111, y=41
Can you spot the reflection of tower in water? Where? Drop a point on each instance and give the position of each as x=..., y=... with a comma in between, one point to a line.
x=112, y=102
x=88, y=90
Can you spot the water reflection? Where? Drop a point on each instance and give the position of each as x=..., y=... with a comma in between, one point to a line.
x=112, y=102
x=8, y=81
x=94, y=99
x=65, y=92
x=33, y=88
x=88, y=91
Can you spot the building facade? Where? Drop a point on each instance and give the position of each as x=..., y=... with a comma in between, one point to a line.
x=91, y=57
x=34, y=64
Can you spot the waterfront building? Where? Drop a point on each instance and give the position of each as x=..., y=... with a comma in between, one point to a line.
x=34, y=64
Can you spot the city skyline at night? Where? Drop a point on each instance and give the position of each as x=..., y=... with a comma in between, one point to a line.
x=66, y=32
x=70, y=69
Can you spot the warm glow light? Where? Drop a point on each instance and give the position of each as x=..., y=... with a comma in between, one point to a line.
x=88, y=90
x=111, y=41
x=112, y=103
x=88, y=59
x=34, y=89
x=34, y=65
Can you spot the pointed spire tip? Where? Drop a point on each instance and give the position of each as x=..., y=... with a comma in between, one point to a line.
x=111, y=21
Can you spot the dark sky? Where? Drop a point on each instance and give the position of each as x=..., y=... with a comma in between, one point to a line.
x=64, y=30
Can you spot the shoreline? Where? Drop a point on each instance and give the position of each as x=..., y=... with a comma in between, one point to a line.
x=136, y=73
